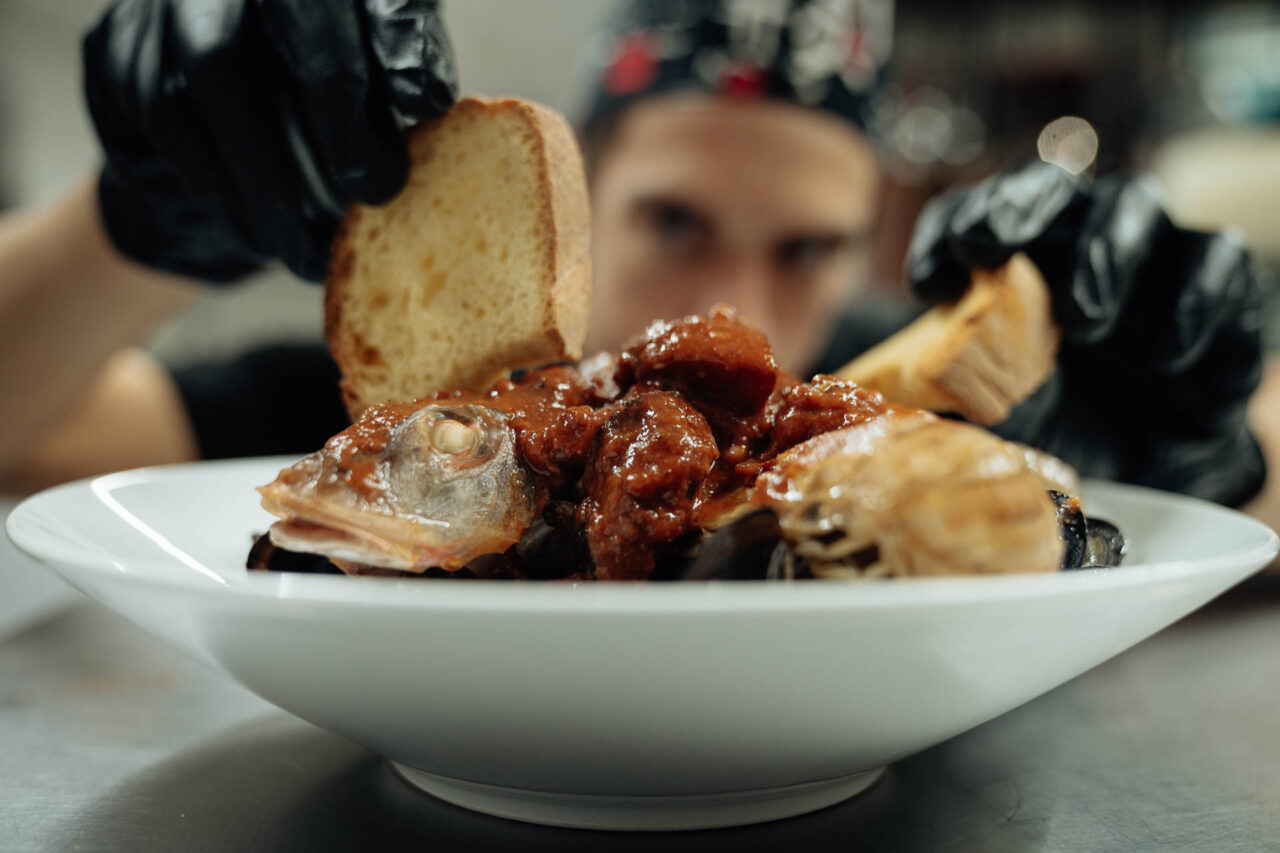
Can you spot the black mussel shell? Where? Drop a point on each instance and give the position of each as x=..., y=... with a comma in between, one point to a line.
x=1106, y=544
x=550, y=549
x=1074, y=530
x=1091, y=542
x=748, y=548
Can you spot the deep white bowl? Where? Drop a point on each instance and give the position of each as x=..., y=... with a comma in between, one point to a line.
x=623, y=706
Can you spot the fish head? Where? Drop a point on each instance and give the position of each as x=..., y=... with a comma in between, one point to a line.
x=408, y=486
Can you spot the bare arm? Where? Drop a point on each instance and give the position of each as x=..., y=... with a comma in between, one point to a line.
x=69, y=302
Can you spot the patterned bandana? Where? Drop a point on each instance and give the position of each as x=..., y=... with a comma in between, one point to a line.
x=828, y=54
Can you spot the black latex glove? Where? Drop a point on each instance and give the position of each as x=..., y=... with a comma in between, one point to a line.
x=1161, y=326
x=237, y=131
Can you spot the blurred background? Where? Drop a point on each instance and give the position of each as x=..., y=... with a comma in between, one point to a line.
x=1187, y=90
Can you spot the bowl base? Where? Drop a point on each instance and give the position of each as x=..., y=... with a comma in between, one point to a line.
x=650, y=813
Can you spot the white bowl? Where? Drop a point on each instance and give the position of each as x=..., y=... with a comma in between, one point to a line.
x=623, y=706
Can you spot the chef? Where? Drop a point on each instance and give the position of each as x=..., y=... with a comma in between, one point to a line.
x=731, y=153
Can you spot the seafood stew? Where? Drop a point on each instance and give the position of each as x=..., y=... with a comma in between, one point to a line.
x=688, y=455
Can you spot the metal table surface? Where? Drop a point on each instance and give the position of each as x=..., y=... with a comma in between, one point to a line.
x=111, y=741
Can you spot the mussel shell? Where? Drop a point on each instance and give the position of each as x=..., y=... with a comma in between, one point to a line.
x=1091, y=542
x=1074, y=530
x=748, y=548
x=1106, y=544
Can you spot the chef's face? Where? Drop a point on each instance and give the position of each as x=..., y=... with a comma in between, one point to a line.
x=763, y=205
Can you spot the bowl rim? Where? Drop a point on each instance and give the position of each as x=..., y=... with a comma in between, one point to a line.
x=24, y=526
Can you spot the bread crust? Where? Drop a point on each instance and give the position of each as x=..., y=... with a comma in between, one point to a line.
x=569, y=299
x=564, y=275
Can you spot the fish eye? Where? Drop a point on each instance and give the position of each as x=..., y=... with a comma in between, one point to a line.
x=454, y=437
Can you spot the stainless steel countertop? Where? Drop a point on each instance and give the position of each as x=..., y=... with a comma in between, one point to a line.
x=110, y=741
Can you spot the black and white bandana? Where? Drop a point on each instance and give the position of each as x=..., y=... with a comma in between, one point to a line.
x=828, y=54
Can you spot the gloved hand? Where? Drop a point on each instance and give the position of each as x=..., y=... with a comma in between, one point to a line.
x=237, y=131
x=1161, y=326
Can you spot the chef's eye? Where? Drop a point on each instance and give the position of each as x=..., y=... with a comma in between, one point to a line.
x=454, y=437
x=677, y=227
x=802, y=254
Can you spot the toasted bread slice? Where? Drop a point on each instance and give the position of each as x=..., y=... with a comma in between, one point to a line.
x=479, y=266
x=978, y=356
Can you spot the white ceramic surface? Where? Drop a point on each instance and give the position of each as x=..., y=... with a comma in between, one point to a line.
x=28, y=592
x=623, y=705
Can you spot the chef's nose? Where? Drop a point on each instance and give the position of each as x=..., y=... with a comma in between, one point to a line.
x=747, y=284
